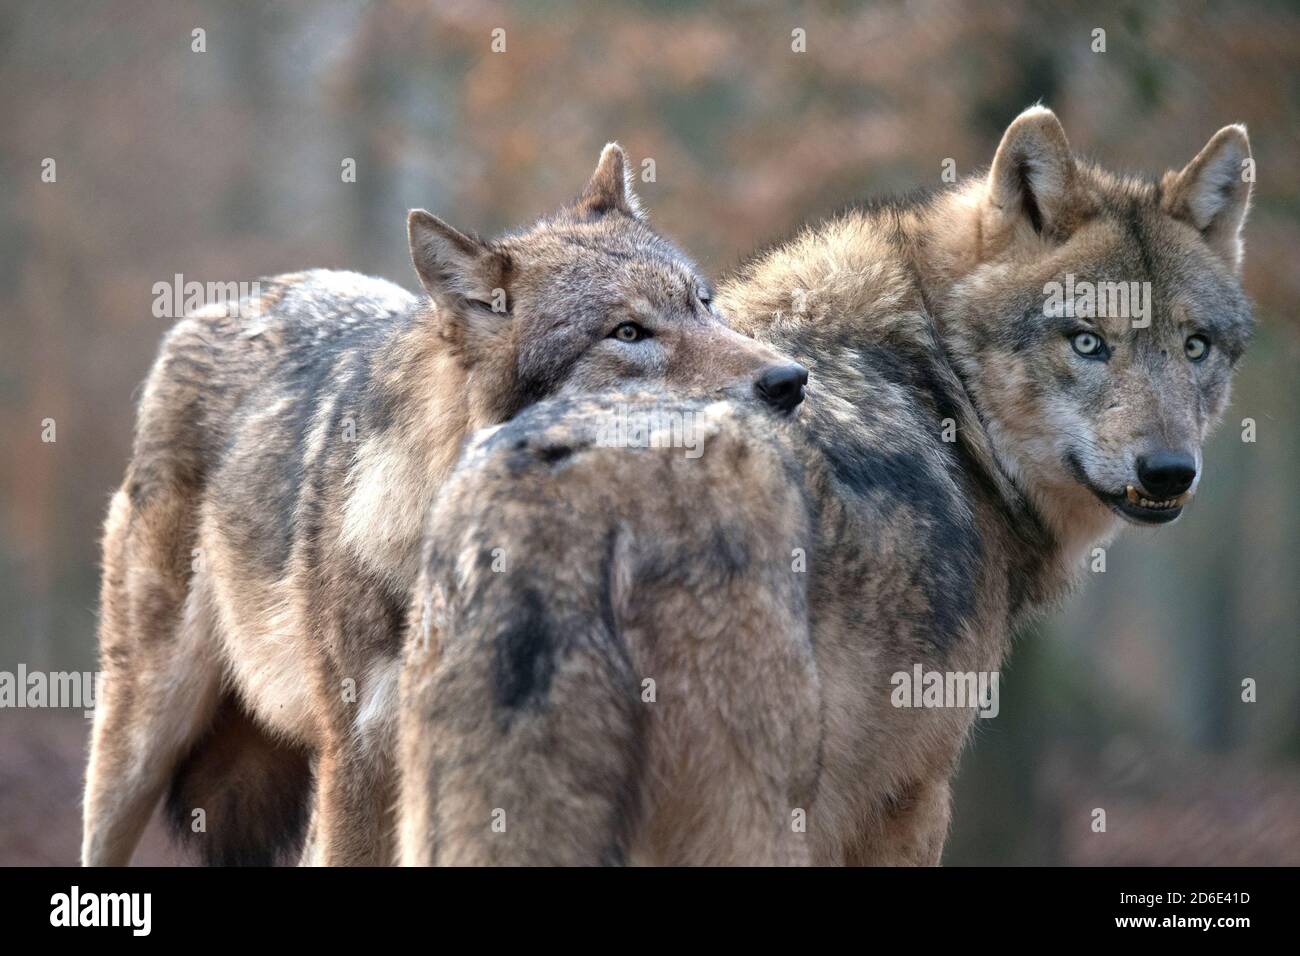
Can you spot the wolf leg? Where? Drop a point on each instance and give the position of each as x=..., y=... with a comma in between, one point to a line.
x=351, y=821
x=252, y=785
x=415, y=745
x=160, y=676
x=310, y=854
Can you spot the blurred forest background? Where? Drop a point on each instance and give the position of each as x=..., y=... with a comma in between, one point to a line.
x=226, y=164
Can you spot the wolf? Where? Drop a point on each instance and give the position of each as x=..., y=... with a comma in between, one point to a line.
x=260, y=554
x=968, y=438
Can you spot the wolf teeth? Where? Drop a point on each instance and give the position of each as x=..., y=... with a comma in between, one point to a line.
x=1132, y=495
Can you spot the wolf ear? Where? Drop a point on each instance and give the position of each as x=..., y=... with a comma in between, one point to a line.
x=610, y=186
x=1212, y=192
x=458, y=271
x=464, y=275
x=1033, y=173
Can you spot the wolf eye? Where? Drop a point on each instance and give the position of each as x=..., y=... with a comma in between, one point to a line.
x=1196, y=347
x=1089, y=345
x=629, y=332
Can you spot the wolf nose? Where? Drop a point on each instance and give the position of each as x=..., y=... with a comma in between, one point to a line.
x=1166, y=473
x=781, y=386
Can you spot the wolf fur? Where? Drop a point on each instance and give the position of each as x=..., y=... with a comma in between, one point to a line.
x=962, y=449
x=594, y=599
x=260, y=555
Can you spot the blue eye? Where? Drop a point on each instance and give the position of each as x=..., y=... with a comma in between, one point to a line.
x=1089, y=345
x=1196, y=347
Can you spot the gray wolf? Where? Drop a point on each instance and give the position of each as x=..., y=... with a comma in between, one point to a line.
x=260, y=553
x=967, y=440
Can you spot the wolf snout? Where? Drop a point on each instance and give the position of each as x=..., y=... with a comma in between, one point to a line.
x=1166, y=473
x=781, y=386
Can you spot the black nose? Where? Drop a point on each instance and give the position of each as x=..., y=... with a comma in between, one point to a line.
x=1166, y=473
x=781, y=386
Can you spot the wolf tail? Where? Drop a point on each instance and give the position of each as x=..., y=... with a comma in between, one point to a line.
x=253, y=792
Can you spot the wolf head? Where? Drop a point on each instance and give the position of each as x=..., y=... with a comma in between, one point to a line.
x=1097, y=320
x=586, y=299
